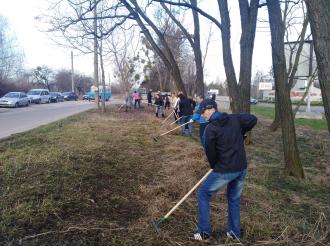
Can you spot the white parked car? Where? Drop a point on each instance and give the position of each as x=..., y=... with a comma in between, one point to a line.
x=39, y=96
x=14, y=99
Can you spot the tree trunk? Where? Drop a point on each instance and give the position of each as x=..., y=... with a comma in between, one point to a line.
x=293, y=165
x=277, y=121
x=319, y=17
x=199, y=84
x=96, y=64
x=103, y=79
x=160, y=78
x=291, y=73
x=248, y=23
x=236, y=103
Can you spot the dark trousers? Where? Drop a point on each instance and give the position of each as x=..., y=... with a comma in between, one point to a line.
x=137, y=102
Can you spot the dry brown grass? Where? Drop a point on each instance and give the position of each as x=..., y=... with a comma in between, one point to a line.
x=97, y=179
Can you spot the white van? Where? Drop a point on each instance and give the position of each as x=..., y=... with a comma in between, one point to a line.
x=39, y=96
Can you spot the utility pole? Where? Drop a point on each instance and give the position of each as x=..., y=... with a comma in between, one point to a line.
x=96, y=64
x=72, y=73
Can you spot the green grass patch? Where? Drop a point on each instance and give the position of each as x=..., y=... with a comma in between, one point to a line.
x=269, y=113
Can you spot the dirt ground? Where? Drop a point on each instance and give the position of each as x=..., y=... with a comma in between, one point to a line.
x=98, y=179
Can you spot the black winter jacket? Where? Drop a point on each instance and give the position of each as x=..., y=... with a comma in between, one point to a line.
x=186, y=106
x=223, y=141
x=159, y=101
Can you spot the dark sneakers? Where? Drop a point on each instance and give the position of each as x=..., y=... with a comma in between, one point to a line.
x=202, y=237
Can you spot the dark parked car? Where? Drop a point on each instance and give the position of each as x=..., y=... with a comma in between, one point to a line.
x=253, y=100
x=70, y=96
x=56, y=97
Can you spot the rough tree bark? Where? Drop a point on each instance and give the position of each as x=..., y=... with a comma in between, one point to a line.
x=293, y=165
x=248, y=23
x=227, y=57
x=199, y=83
x=239, y=93
x=319, y=17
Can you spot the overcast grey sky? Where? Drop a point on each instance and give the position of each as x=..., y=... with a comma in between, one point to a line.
x=40, y=50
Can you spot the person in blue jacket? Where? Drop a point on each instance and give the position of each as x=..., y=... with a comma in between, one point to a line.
x=197, y=116
x=223, y=142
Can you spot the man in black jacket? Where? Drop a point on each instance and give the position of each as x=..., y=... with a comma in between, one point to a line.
x=159, y=102
x=149, y=97
x=223, y=141
x=186, y=106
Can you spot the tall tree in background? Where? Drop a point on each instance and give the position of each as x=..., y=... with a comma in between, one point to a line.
x=293, y=165
x=124, y=57
x=292, y=11
x=239, y=91
x=11, y=57
x=42, y=75
x=319, y=17
x=167, y=56
x=195, y=44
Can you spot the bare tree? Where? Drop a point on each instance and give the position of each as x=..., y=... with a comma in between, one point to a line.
x=291, y=154
x=124, y=56
x=291, y=12
x=167, y=56
x=195, y=43
x=319, y=16
x=239, y=91
x=82, y=25
x=118, y=12
x=11, y=56
x=43, y=75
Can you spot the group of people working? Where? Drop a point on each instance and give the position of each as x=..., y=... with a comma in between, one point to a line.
x=222, y=136
x=132, y=100
x=184, y=109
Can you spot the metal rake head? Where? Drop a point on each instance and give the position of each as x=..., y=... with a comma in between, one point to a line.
x=155, y=225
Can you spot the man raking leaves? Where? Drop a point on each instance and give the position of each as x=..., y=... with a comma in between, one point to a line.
x=223, y=141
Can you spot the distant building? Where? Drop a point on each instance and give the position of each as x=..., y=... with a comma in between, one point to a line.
x=213, y=91
x=297, y=92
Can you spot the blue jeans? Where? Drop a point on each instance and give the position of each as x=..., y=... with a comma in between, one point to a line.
x=159, y=109
x=214, y=182
x=183, y=120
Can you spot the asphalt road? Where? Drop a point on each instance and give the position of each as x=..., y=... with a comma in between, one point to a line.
x=15, y=120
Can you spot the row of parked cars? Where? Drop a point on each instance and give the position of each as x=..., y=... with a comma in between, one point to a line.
x=16, y=99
